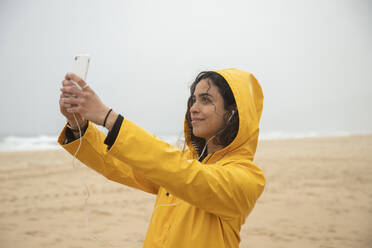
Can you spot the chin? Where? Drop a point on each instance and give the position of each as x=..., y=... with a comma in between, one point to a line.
x=197, y=134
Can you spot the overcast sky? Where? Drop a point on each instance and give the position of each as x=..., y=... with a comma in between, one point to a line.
x=312, y=58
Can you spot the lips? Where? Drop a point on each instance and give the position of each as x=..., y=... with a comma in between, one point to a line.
x=196, y=120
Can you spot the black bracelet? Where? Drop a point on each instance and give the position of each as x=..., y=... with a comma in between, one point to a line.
x=108, y=113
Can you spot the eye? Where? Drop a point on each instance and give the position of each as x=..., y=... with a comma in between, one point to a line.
x=205, y=99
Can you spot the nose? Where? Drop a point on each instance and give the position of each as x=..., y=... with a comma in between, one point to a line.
x=194, y=108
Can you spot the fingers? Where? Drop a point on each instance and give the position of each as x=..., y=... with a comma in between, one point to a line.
x=63, y=104
x=76, y=78
x=73, y=104
x=71, y=101
x=73, y=109
x=66, y=104
x=71, y=90
x=67, y=95
x=76, y=100
x=67, y=83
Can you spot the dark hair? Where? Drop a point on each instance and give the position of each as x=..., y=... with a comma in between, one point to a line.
x=229, y=132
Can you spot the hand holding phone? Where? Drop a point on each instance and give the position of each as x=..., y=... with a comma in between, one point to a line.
x=74, y=102
x=80, y=68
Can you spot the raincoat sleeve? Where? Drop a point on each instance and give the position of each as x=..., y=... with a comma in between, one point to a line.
x=229, y=191
x=93, y=153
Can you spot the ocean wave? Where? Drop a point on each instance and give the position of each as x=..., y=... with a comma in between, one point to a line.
x=45, y=142
x=42, y=142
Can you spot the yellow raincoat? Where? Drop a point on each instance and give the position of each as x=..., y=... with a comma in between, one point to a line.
x=209, y=200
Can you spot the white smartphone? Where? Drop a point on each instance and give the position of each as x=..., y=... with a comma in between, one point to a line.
x=80, y=66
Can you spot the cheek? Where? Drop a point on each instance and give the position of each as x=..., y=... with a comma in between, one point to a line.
x=216, y=121
x=219, y=123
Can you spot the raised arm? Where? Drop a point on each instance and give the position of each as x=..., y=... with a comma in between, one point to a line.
x=228, y=190
x=93, y=153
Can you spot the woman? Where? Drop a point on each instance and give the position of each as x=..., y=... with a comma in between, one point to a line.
x=205, y=192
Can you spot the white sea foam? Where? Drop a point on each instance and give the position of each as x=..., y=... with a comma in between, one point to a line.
x=45, y=142
x=42, y=142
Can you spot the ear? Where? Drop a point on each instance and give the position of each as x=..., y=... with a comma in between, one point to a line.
x=232, y=109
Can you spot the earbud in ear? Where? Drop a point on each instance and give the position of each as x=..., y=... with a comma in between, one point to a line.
x=231, y=115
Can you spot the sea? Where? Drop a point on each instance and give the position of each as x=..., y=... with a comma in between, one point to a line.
x=49, y=142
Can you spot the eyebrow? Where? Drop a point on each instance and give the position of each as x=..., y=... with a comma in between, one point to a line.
x=204, y=94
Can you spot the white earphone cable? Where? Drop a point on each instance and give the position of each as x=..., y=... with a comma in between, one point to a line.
x=94, y=237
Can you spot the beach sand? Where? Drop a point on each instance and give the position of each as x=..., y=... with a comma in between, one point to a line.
x=318, y=194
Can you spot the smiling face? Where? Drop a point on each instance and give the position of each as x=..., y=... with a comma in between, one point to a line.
x=206, y=110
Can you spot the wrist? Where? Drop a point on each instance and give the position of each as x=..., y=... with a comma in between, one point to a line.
x=73, y=126
x=111, y=120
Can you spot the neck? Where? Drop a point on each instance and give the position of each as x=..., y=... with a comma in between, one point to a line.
x=212, y=148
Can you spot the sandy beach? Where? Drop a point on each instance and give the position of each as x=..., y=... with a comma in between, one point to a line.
x=318, y=194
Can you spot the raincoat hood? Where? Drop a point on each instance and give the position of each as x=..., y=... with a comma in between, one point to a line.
x=249, y=101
